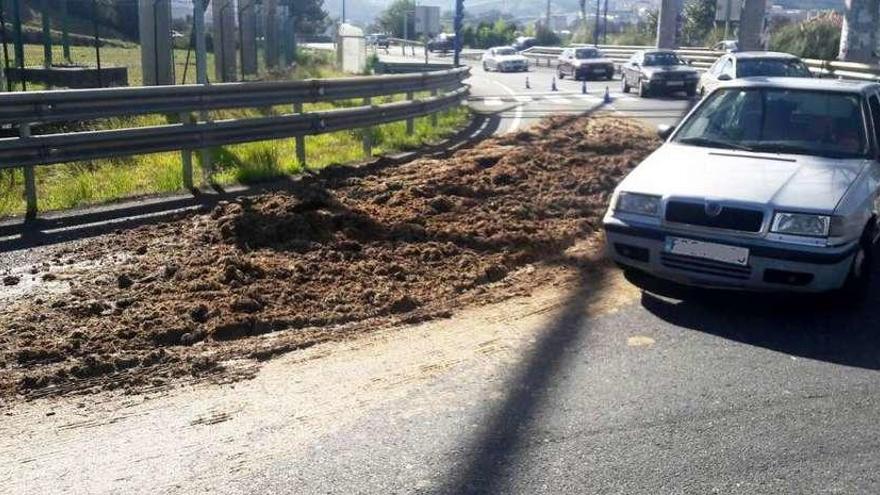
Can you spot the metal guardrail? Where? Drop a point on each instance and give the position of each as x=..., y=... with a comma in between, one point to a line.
x=69, y=105
x=703, y=58
x=23, y=110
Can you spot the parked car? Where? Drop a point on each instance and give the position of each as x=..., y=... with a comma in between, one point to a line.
x=584, y=63
x=658, y=72
x=442, y=43
x=504, y=59
x=752, y=64
x=524, y=43
x=768, y=184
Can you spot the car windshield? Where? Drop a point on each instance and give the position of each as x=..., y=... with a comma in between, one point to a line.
x=505, y=51
x=587, y=53
x=819, y=123
x=662, y=59
x=769, y=67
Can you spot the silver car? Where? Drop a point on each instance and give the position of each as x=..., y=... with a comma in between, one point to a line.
x=768, y=184
x=504, y=59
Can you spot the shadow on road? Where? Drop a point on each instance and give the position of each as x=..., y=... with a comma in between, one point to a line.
x=483, y=465
x=819, y=327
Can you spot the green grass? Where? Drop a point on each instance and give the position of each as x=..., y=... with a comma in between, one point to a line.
x=82, y=183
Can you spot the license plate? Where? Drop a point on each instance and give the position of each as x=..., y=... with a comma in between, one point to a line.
x=733, y=255
x=675, y=83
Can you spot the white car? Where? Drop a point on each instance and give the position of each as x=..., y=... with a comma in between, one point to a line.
x=504, y=59
x=768, y=184
x=751, y=64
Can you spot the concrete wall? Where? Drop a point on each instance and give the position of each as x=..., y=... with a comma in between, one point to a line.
x=859, y=37
x=225, y=37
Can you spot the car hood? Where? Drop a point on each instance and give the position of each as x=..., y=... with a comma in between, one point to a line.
x=793, y=182
x=655, y=69
x=510, y=58
x=594, y=61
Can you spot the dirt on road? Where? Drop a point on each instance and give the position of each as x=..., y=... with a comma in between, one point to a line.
x=346, y=250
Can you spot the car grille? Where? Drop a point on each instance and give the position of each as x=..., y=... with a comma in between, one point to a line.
x=730, y=218
x=705, y=267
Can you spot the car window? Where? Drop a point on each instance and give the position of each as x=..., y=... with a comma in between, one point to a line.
x=634, y=59
x=874, y=103
x=769, y=67
x=662, y=58
x=727, y=67
x=716, y=67
x=505, y=51
x=582, y=53
x=820, y=123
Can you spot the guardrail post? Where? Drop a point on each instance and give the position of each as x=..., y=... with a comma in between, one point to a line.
x=368, y=137
x=30, y=181
x=410, y=122
x=434, y=115
x=300, y=141
x=186, y=156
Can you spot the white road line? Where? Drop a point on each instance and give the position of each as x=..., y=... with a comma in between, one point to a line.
x=559, y=101
x=493, y=102
x=517, y=116
x=523, y=99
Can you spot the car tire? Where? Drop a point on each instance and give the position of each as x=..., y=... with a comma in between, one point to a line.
x=560, y=75
x=858, y=281
x=485, y=67
x=624, y=86
x=643, y=90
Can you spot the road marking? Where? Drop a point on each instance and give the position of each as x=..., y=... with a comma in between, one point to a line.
x=493, y=102
x=517, y=116
x=523, y=99
x=560, y=101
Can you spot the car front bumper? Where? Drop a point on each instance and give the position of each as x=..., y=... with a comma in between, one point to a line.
x=671, y=86
x=513, y=66
x=771, y=267
x=595, y=71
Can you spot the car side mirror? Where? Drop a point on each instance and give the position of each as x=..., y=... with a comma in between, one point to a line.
x=635, y=64
x=664, y=131
x=725, y=77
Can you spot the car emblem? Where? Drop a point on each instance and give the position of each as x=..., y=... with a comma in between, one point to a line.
x=713, y=209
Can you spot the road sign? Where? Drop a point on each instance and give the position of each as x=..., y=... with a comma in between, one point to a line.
x=427, y=20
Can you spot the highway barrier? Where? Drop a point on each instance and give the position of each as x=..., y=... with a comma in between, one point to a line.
x=26, y=111
x=703, y=58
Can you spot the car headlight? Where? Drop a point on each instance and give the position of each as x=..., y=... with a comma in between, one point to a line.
x=693, y=75
x=801, y=224
x=656, y=76
x=640, y=204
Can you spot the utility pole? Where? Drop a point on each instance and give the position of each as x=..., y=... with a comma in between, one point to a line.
x=47, y=34
x=548, y=15
x=343, y=11
x=247, y=30
x=457, y=26
x=605, y=23
x=270, y=33
x=199, y=7
x=858, y=38
x=18, y=41
x=65, y=31
x=751, y=24
x=667, y=24
x=5, y=47
x=727, y=19
x=596, y=25
x=154, y=25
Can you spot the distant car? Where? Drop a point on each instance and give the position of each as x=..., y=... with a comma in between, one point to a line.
x=727, y=46
x=442, y=43
x=524, y=43
x=381, y=40
x=658, y=72
x=752, y=64
x=768, y=184
x=584, y=63
x=504, y=59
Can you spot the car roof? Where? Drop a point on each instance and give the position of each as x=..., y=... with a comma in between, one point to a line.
x=502, y=46
x=762, y=54
x=804, y=83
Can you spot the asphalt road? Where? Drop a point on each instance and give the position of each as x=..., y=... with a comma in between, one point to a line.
x=688, y=392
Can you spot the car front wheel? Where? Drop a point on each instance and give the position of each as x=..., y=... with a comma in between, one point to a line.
x=643, y=90
x=623, y=85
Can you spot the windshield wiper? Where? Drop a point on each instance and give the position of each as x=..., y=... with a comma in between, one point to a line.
x=714, y=143
x=799, y=150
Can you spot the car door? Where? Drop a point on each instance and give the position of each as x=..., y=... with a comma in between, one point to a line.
x=493, y=62
x=708, y=77
x=724, y=70
x=564, y=62
x=874, y=176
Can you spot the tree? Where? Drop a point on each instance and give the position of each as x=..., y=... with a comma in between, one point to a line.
x=391, y=19
x=699, y=20
x=309, y=16
x=817, y=38
x=545, y=36
x=583, y=5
